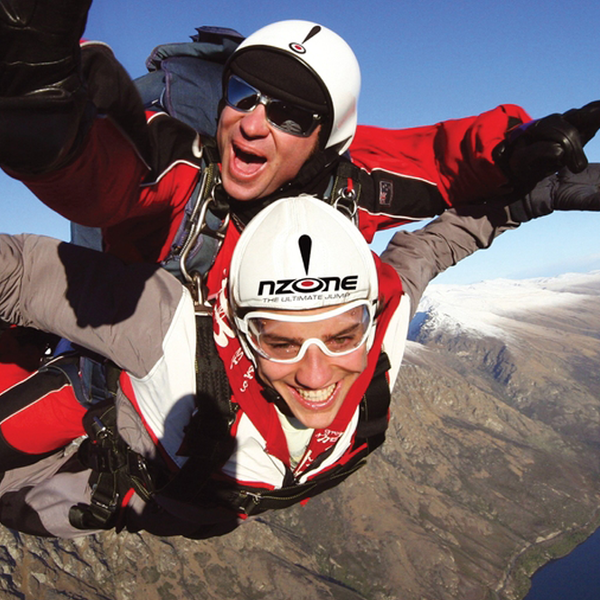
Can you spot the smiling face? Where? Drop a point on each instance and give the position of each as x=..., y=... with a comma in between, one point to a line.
x=257, y=158
x=315, y=387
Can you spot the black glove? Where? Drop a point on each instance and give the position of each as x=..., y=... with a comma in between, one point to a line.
x=539, y=148
x=43, y=100
x=562, y=191
x=39, y=43
x=586, y=120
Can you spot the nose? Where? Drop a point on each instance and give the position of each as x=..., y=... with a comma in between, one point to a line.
x=314, y=370
x=254, y=124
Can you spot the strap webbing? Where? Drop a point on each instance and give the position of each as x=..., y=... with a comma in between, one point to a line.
x=207, y=442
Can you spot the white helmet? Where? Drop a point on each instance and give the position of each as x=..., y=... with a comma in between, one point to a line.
x=299, y=254
x=327, y=57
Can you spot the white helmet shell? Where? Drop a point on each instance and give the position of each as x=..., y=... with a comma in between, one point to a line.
x=301, y=253
x=329, y=58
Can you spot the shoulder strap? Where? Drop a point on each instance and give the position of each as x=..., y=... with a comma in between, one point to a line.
x=370, y=434
x=208, y=441
x=374, y=409
x=346, y=189
x=201, y=231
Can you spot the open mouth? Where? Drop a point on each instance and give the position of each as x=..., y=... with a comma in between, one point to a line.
x=317, y=399
x=246, y=162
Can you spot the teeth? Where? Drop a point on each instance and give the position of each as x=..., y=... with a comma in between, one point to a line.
x=317, y=395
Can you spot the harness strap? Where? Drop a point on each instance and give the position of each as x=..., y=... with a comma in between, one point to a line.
x=370, y=434
x=213, y=444
x=208, y=441
x=116, y=469
x=255, y=502
x=346, y=189
x=199, y=237
x=374, y=410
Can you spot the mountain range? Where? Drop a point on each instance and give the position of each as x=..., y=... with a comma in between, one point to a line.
x=490, y=469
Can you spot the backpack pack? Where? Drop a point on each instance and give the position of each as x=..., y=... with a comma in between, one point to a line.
x=184, y=79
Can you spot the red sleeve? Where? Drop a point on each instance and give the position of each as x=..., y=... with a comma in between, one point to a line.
x=455, y=155
x=111, y=187
x=101, y=186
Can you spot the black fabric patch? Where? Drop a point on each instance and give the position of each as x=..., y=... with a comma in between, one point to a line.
x=15, y=513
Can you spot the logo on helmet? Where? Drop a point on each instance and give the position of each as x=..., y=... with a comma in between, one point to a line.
x=299, y=48
x=307, y=284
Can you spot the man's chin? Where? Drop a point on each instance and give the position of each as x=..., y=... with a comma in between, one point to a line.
x=316, y=420
x=243, y=190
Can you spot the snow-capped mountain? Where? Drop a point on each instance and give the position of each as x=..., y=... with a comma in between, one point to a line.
x=491, y=308
x=537, y=338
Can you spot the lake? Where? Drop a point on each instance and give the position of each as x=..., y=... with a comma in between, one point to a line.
x=574, y=577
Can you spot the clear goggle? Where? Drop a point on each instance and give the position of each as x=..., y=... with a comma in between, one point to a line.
x=286, y=337
x=286, y=116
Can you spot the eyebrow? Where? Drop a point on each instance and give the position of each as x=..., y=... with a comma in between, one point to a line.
x=272, y=337
x=349, y=329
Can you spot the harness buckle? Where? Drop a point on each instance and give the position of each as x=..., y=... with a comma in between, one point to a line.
x=202, y=306
x=346, y=201
x=100, y=430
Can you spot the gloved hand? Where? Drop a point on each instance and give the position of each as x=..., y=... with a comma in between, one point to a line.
x=539, y=148
x=562, y=191
x=586, y=120
x=43, y=100
x=39, y=43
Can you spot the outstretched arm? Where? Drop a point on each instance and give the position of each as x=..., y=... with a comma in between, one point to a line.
x=120, y=311
x=454, y=156
x=417, y=173
x=421, y=255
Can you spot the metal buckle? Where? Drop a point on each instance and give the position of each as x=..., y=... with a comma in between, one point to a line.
x=345, y=202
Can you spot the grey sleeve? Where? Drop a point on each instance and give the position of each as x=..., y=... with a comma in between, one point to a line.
x=119, y=311
x=421, y=255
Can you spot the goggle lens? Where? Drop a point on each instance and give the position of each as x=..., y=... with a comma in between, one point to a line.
x=286, y=116
x=279, y=338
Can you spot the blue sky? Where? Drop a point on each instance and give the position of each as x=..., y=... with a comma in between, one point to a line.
x=421, y=63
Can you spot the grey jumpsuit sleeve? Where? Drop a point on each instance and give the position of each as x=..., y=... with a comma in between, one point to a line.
x=421, y=255
x=119, y=311
x=123, y=312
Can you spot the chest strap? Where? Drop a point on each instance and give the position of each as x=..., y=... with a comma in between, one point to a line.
x=370, y=434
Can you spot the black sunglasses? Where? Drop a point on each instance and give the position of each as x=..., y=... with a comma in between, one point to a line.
x=286, y=116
